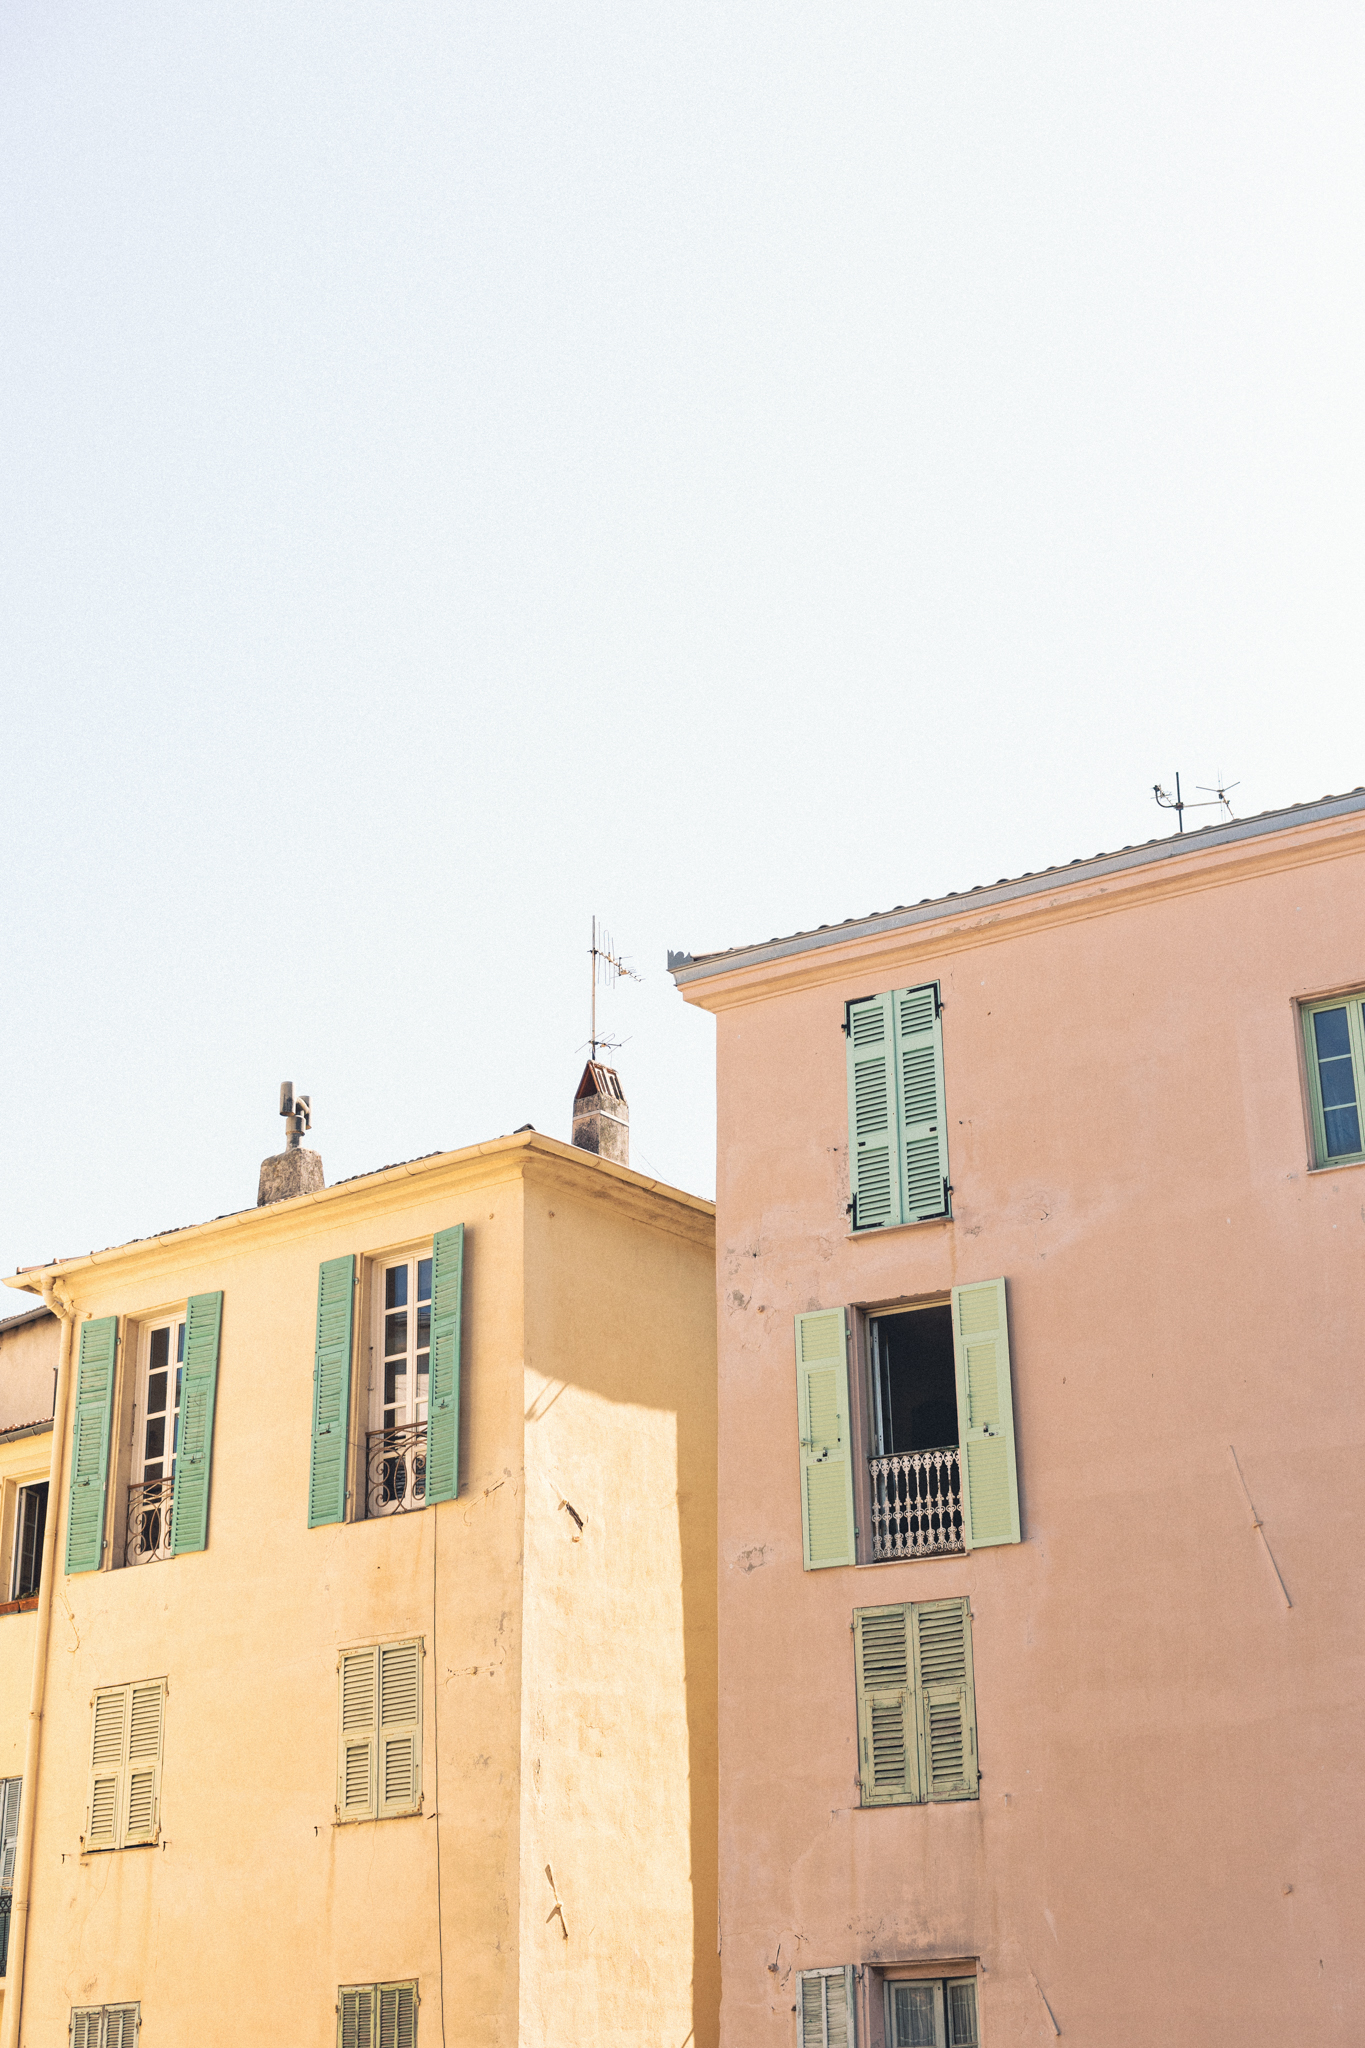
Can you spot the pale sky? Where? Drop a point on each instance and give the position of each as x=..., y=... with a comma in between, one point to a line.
x=723, y=467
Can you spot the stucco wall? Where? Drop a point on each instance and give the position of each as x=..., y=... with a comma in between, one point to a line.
x=28, y=1366
x=1170, y=1816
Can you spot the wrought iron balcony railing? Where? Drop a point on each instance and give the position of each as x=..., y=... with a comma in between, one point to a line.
x=149, y=1521
x=5, y=1899
x=916, y=1503
x=396, y=1469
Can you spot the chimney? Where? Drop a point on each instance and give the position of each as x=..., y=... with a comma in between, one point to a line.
x=601, y=1114
x=293, y=1171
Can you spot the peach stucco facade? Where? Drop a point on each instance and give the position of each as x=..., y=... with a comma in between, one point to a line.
x=1168, y=1837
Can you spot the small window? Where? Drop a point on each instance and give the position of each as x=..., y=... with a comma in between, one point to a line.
x=160, y=1375
x=916, y=1702
x=915, y=1468
x=124, y=1805
x=379, y=1764
x=30, y=1522
x=1334, y=1034
x=9, y=1838
x=932, y=2013
x=377, y=2015
x=105, y=2026
x=400, y=1379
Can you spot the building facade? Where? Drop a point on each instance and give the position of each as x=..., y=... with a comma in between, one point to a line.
x=1040, y=1251
x=374, y=1648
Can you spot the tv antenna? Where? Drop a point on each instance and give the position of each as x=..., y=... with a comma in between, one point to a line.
x=607, y=967
x=1214, y=799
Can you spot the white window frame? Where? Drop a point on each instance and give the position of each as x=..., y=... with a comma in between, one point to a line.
x=940, y=1987
x=173, y=1321
x=383, y=1494
x=1353, y=1004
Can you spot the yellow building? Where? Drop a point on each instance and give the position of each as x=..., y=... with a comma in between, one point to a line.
x=370, y=1693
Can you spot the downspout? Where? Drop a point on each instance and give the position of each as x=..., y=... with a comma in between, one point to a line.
x=57, y=1299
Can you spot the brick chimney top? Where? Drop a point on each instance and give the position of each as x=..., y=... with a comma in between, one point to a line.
x=601, y=1114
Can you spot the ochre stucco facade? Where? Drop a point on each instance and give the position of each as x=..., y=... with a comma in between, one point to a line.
x=564, y=1603
x=1167, y=1838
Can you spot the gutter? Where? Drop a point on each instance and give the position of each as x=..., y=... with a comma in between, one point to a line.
x=58, y=1301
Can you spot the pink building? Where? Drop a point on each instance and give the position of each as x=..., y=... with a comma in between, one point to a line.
x=1041, y=1273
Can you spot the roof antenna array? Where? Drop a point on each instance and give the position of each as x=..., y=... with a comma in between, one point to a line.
x=608, y=967
x=1214, y=799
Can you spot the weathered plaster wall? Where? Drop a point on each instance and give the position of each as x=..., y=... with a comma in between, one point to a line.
x=28, y=1368
x=618, y=1719
x=1171, y=1814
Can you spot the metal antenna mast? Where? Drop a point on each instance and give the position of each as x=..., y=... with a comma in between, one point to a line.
x=607, y=966
x=1216, y=799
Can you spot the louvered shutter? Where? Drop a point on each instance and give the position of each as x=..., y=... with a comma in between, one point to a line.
x=888, y=1760
x=357, y=1768
x=826, y=2009
x=10, y=1789
x=356, y=2025
x=87, y=2025
x=397, y=2015
x=945, y=1698
x=873, y=1162
x=827, y=1530
x=400, y=1727
x=90, y=1444
x=443, y=1405
x=923, y=1122
x=331, y=1392
x=108, y=1750
x=985, y=1409
x=121, y=2026
x=194, y=1454
x=142, y=1801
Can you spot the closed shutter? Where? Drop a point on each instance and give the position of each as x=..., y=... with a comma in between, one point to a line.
x=945, y=1698
x=827, y=2019
x=985, y=1408
x=121, y=2026
x=397, y=2015
x=888, y=1759
x=873, y=1162
x=90, y=1444
x=443, y=1406
x=358, y=1771
x=331, y=1393
x=87, y=2025
x=108, y=1749
x=827, y=1529
x=923, y=1122
x=400, y=1727
x=194, y=1456
x=142, y=1804
x=355, y=2028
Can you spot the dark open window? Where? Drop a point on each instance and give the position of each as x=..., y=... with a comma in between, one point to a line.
x=30, y=1522
x=915, y=1465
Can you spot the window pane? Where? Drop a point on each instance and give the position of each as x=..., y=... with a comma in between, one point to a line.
x=156, y=1438
x=962, y=2015
x=395, y=1383
x=396, y=1287
x=424, y=1329
x=1343, y=1131
x=160, y=1350
x=1337, y=1082
x=156, y=1394
x=396, y=1335
x=424, y=1279
x=179, y=1348
x=1329, y=1028
x=913, y=2009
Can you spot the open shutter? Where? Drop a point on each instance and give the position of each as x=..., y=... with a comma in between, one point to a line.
x=400, y=1727
x=194, y=1454
x=827, y=1531
x=947, y=1702
x=827, y=2009
x=443, y=1406
x=873, y=1165
x=10, y=1790
x=923, y=1122
x=357, y=1775
x=108, y=1749
x=985, y=1411
x=142, y=1805
x=397, y=2015
x=331, y=1392
x=90, y=1444
x=887, y=1757
x=356, y=2023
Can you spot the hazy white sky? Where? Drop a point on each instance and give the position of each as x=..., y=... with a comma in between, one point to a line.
x=723, y=467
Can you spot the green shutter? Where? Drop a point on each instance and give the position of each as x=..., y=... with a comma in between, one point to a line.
x=331, y=1392
x=888, y=1749
x=985, y=1414
x=922, y=1119
x=90, y=1444
x=194, y=1455
x=397, y=2015
x=873, y=1166
x=355, y=2018
x=443, y=1411
x=945, y=1699
x=400, y=1728
x=357, y=1767
x=827, y=1529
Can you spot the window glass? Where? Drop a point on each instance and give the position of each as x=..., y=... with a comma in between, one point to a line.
x=914, y=2010
x=1337, y=1081
x=396, y=1456
x=29, y=1524
x=962, y=2015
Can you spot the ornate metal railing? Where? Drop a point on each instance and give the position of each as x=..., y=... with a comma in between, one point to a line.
x=396, y=1469
x=916, y=1503
x=5, y=1899
x=149, y=1521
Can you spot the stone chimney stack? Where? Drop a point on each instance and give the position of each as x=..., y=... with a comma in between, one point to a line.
x=601, y=1114
x=293, y=1171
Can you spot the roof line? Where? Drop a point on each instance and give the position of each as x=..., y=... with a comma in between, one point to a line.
x=707, y=966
